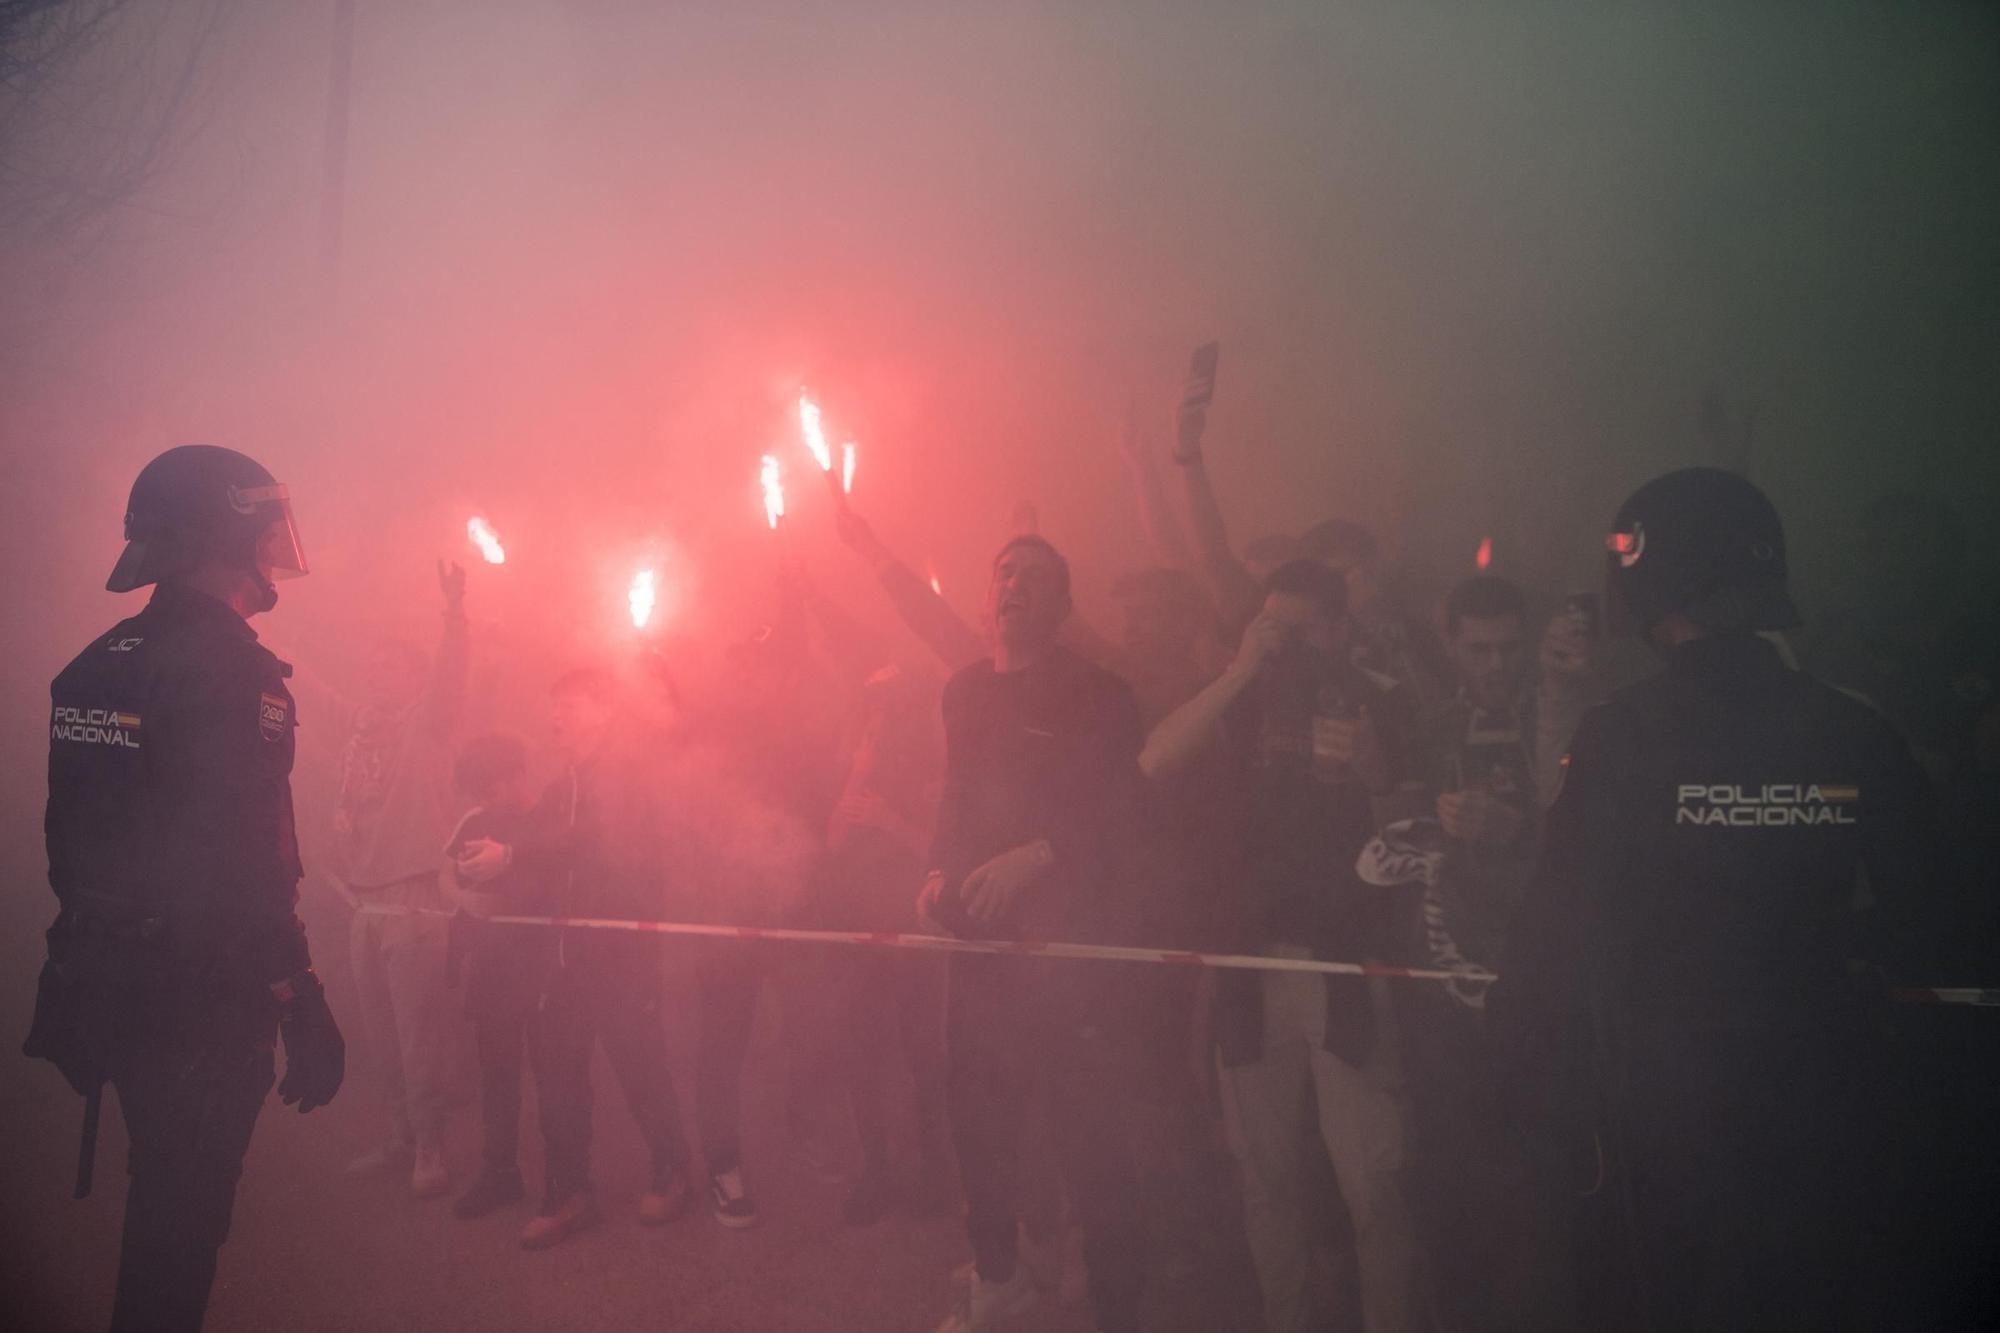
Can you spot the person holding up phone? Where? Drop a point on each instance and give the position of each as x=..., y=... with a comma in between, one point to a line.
x=1231, y=583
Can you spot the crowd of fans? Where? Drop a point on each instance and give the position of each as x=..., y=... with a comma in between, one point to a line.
x=1265, y=754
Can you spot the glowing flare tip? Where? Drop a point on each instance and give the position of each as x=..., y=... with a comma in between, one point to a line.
x=481, y=534
x=641, y=596
x=1484, y=559
x=847, y=468
x=774, y=491
x=815, y=437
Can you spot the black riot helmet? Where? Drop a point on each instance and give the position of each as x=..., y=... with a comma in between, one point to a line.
x=200, y=500
x=1705, y=543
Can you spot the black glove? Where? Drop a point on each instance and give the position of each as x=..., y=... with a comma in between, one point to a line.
x=315, y=1055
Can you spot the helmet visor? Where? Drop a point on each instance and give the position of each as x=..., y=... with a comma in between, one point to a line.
x=278, y=547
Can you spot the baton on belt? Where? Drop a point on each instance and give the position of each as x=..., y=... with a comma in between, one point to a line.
x=86, y=1151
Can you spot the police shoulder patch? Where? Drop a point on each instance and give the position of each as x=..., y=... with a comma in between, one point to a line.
x=274, y=713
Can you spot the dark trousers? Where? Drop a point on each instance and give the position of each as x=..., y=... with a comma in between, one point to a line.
x=1746, y=1160
x=189, y=1086
x=1493, y=1248
x=606, y=991
x=505, y=975
x=728, y=975
x=501, y=1042
x=1019, y=1029
x=894, y=1002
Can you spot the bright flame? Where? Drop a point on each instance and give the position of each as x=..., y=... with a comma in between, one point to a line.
x=936, y=587
x=482, y=535
x=641, y=596
x=847, y=468
x=1484, y=559
x=815, y=437
x=774, y=491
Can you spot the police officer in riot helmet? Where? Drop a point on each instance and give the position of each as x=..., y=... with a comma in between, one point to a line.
x=176, y=958
x=1731, y=838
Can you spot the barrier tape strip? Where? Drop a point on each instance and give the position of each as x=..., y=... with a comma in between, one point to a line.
x=1117, y=953
x=1974, y=996
x=1979, y=997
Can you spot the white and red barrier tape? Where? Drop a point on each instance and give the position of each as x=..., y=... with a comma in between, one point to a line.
x=1117, y=953
x=1980, y=997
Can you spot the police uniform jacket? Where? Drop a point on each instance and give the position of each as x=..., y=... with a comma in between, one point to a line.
x=1728, y=835
x=170, y=757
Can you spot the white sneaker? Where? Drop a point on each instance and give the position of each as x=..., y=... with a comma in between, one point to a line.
x=730, y=1201
x=428, y=1177
x=985, y=1306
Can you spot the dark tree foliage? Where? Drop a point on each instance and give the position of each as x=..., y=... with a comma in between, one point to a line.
x=92, y=95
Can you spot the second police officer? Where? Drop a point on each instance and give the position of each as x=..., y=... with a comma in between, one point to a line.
x=1730, y=834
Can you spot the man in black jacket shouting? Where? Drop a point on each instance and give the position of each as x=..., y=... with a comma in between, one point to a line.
x=1033, y=838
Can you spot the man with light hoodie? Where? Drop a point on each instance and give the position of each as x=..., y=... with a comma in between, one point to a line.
x=395, y=811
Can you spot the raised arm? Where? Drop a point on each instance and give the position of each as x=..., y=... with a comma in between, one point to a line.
x=1229, y=582
x=1179, y=738
x=928, y=616
x=444, y=698
x=1163, y=525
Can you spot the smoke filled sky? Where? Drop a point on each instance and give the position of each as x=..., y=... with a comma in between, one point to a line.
x=1473, y=268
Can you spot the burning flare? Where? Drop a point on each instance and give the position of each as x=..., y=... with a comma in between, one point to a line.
x=774, y=490
x=482, y=535
x=847, y=468
x=815, y=437
x=641, y=597
x=936, y=587
x=1484, y=559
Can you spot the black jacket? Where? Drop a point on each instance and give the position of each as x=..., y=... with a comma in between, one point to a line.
x=170, y=760
x=1049, y=752
x=1727, y=836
